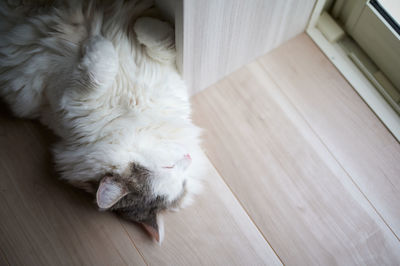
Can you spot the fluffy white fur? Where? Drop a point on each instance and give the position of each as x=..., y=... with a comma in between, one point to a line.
x=105, y=81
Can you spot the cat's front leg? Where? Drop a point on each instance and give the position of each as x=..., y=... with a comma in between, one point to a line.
x=158, y=38
x=98, y=65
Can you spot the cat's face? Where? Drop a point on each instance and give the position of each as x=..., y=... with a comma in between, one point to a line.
x=146, y=189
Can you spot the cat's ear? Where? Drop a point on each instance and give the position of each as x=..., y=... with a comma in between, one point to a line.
x=154, y=225
x=110, y=191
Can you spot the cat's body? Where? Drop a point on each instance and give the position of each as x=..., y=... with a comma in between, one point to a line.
x=106, y=83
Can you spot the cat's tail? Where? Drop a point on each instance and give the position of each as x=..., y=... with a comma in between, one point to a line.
x=20, y=85
x=38, y=42
x=11, y=12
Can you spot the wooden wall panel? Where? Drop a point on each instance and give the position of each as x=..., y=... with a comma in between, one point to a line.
x=215, y=37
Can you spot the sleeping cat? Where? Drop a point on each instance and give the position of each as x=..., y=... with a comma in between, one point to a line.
x=102, y=76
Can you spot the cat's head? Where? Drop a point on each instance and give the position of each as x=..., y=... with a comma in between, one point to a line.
x=147, y=188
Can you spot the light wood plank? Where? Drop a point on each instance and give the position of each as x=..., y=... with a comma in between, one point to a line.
x=350, y=130
x=46, y=222
x=214, y=38
x=214, y=231
x=295, y=191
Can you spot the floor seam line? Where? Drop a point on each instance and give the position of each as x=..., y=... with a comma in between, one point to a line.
x=133, y=243
x=327, y=148
x=244, y=209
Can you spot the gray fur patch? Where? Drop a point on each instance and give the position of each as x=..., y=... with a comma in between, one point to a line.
x=139, y=204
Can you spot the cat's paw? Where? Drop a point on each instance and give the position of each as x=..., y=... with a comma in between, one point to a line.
x=99, y=63
x=153, y=32
x=158, y=38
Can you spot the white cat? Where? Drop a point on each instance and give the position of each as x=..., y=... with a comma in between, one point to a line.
x=103, y=78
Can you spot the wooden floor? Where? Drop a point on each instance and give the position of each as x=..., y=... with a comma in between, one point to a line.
x=302, y=173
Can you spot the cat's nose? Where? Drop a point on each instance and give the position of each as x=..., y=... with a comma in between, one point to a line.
x=186, y=161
